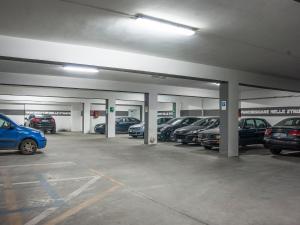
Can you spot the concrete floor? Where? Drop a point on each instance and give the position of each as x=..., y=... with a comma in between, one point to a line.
x=88, y=180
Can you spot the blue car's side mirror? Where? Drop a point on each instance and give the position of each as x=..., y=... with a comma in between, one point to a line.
x=11, y=126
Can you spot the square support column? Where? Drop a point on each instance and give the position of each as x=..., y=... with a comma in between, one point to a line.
x=110, y=128
x=150, y=131
x=76, y=118
x=86, y=117
x=176, y=109
x=229, y=110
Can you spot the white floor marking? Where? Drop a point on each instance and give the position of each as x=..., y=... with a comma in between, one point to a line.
x=51, y=180
x=72, y=195
x=37, y=164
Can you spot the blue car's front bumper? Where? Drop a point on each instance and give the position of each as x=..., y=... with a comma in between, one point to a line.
x=41, y=143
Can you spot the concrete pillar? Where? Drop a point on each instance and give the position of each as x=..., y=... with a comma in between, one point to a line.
x=86, y=117
x=229, y=106
x=177, y=108
x=110, y=128
x=150, y=133
x=76, y=118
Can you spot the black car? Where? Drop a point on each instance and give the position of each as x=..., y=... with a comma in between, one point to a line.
x=165, y=132
x=189, y=134
x=122, y=125
x=251, y=131
x=41, y=122
x=285, y=135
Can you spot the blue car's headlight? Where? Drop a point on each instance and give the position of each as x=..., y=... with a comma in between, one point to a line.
x=42, y=134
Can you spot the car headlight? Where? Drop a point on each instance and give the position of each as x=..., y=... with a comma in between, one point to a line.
x=42, y=134
x=218, y=136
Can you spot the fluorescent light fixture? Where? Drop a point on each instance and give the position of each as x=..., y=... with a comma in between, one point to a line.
x=81, y=69
x=164, y=26
x=218, y=84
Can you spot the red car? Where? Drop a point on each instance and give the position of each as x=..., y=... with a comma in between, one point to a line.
x=41, y=122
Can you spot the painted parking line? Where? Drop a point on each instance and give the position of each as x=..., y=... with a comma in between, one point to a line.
x=52, y=180
x=83, y=205
x=50, y=190
x=11, y=201
x=111, y=179
x=38, y=164
x=71, y=196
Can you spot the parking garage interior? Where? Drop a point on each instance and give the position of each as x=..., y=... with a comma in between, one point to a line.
x=132, y=112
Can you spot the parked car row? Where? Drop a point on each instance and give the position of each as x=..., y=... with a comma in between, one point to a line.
x=205, y=131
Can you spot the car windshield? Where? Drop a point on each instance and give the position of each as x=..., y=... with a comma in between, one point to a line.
x=289, y=122
x=176, y=121
x=171, y=121
x=205, y=122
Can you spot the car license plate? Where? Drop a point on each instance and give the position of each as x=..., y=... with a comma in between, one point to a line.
x=45, y=121
x=179, y=140
x=280, y=135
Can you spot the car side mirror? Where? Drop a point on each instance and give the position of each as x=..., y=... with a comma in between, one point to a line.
x=11, y=126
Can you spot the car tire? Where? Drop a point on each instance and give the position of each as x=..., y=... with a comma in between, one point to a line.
x=53, y=131
x=184, y=143
x=275, y=151
x=134, y=136
x=207, y=147
x=28, y=147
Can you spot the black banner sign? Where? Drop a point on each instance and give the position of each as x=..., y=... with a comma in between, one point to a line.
x=271, y=111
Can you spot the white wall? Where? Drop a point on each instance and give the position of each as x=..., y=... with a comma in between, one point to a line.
x=19, y=119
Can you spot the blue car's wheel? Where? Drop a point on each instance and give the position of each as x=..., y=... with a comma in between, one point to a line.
x=28, y=147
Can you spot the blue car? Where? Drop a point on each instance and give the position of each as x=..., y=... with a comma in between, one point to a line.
x=25, y=139
x=122, y=125
x=138, y=129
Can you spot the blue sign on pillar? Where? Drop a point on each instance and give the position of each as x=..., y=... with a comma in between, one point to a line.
x=223, y=104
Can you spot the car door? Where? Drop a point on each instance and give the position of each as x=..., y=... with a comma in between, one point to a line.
x=121, y=125
x=8, y=135
x=130, y=122
x=248, y=132
x=261, y=126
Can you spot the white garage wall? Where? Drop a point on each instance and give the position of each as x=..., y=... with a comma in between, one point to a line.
x=10, y=111
x=165, y=106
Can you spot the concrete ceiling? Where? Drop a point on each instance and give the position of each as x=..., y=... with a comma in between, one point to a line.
x=18, y=67
x=258, y=35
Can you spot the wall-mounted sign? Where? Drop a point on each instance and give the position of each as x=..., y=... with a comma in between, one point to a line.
x=165, y=113
x=272, y=111
x=223, y=105
x=111, y=109
x=52, y=113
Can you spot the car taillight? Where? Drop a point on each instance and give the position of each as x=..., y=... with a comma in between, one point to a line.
x=268, y=132
x=294, y=133
x=36, y=120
